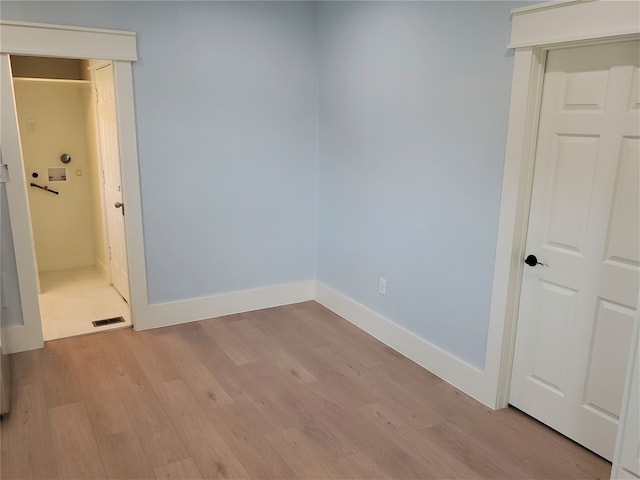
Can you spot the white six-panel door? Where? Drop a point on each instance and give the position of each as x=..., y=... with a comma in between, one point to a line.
x=577, y=312
x=110, y=161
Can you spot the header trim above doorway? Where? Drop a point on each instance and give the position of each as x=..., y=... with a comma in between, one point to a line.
x=574, y=20
x=20, y=38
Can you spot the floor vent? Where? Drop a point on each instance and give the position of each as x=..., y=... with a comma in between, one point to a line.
x=107, y=321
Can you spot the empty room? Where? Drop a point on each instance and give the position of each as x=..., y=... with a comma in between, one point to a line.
x=319, y=239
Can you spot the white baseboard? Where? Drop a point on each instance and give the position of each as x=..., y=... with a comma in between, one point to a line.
x=19, y=338
x=183, y=311
x=100, y=265
x=450, y=368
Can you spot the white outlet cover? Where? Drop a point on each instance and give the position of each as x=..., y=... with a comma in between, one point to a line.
x=382, y=286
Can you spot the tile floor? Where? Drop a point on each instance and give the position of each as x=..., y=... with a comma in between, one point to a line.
x=71, y=299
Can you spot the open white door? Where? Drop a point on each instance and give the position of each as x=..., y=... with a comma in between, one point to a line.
x=577, y=311
x=110, y=162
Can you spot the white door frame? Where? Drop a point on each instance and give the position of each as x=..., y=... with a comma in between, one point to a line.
x=535, y=30
x=21, y=38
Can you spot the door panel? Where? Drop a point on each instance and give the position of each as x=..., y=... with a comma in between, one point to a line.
x=623, y=238
x=575, y=162
x=556, y=312
x=586, y=91
x=110, y=162
x=608, y=366
x=577, y=313
x=634, y=94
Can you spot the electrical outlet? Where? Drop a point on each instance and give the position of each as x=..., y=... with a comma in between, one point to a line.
x=382, y=286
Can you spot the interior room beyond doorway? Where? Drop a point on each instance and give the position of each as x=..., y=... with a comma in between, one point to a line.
x=65, y=156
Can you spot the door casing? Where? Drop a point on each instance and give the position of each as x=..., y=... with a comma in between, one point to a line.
x=21, y=38
x=535, y=30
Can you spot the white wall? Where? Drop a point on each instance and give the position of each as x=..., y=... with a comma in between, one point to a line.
x=62, y=224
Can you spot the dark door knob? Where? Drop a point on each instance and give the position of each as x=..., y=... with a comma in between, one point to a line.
x=532, y=261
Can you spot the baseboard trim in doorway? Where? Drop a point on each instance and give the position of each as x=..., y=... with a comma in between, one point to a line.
x=191, y=310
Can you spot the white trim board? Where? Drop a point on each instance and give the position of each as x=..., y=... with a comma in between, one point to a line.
x=535, y=30
x=185, y=311
x=450, y=368
x=561, y=22
x=626, y=458
x=29, y=335
x=22, y=38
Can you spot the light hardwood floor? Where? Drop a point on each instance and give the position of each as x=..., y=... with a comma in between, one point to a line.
x=289, y=392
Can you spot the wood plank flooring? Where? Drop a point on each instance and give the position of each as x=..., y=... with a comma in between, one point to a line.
x=292, y=392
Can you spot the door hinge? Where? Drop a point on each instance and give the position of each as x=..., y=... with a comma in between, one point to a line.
x=109, y=252
x=4, y=173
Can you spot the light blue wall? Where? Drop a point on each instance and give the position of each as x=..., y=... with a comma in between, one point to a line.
x=226, y=107
x=413, y=116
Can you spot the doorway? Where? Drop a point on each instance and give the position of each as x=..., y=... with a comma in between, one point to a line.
x=579, y=295
x=24, y=331
x=68, y=133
